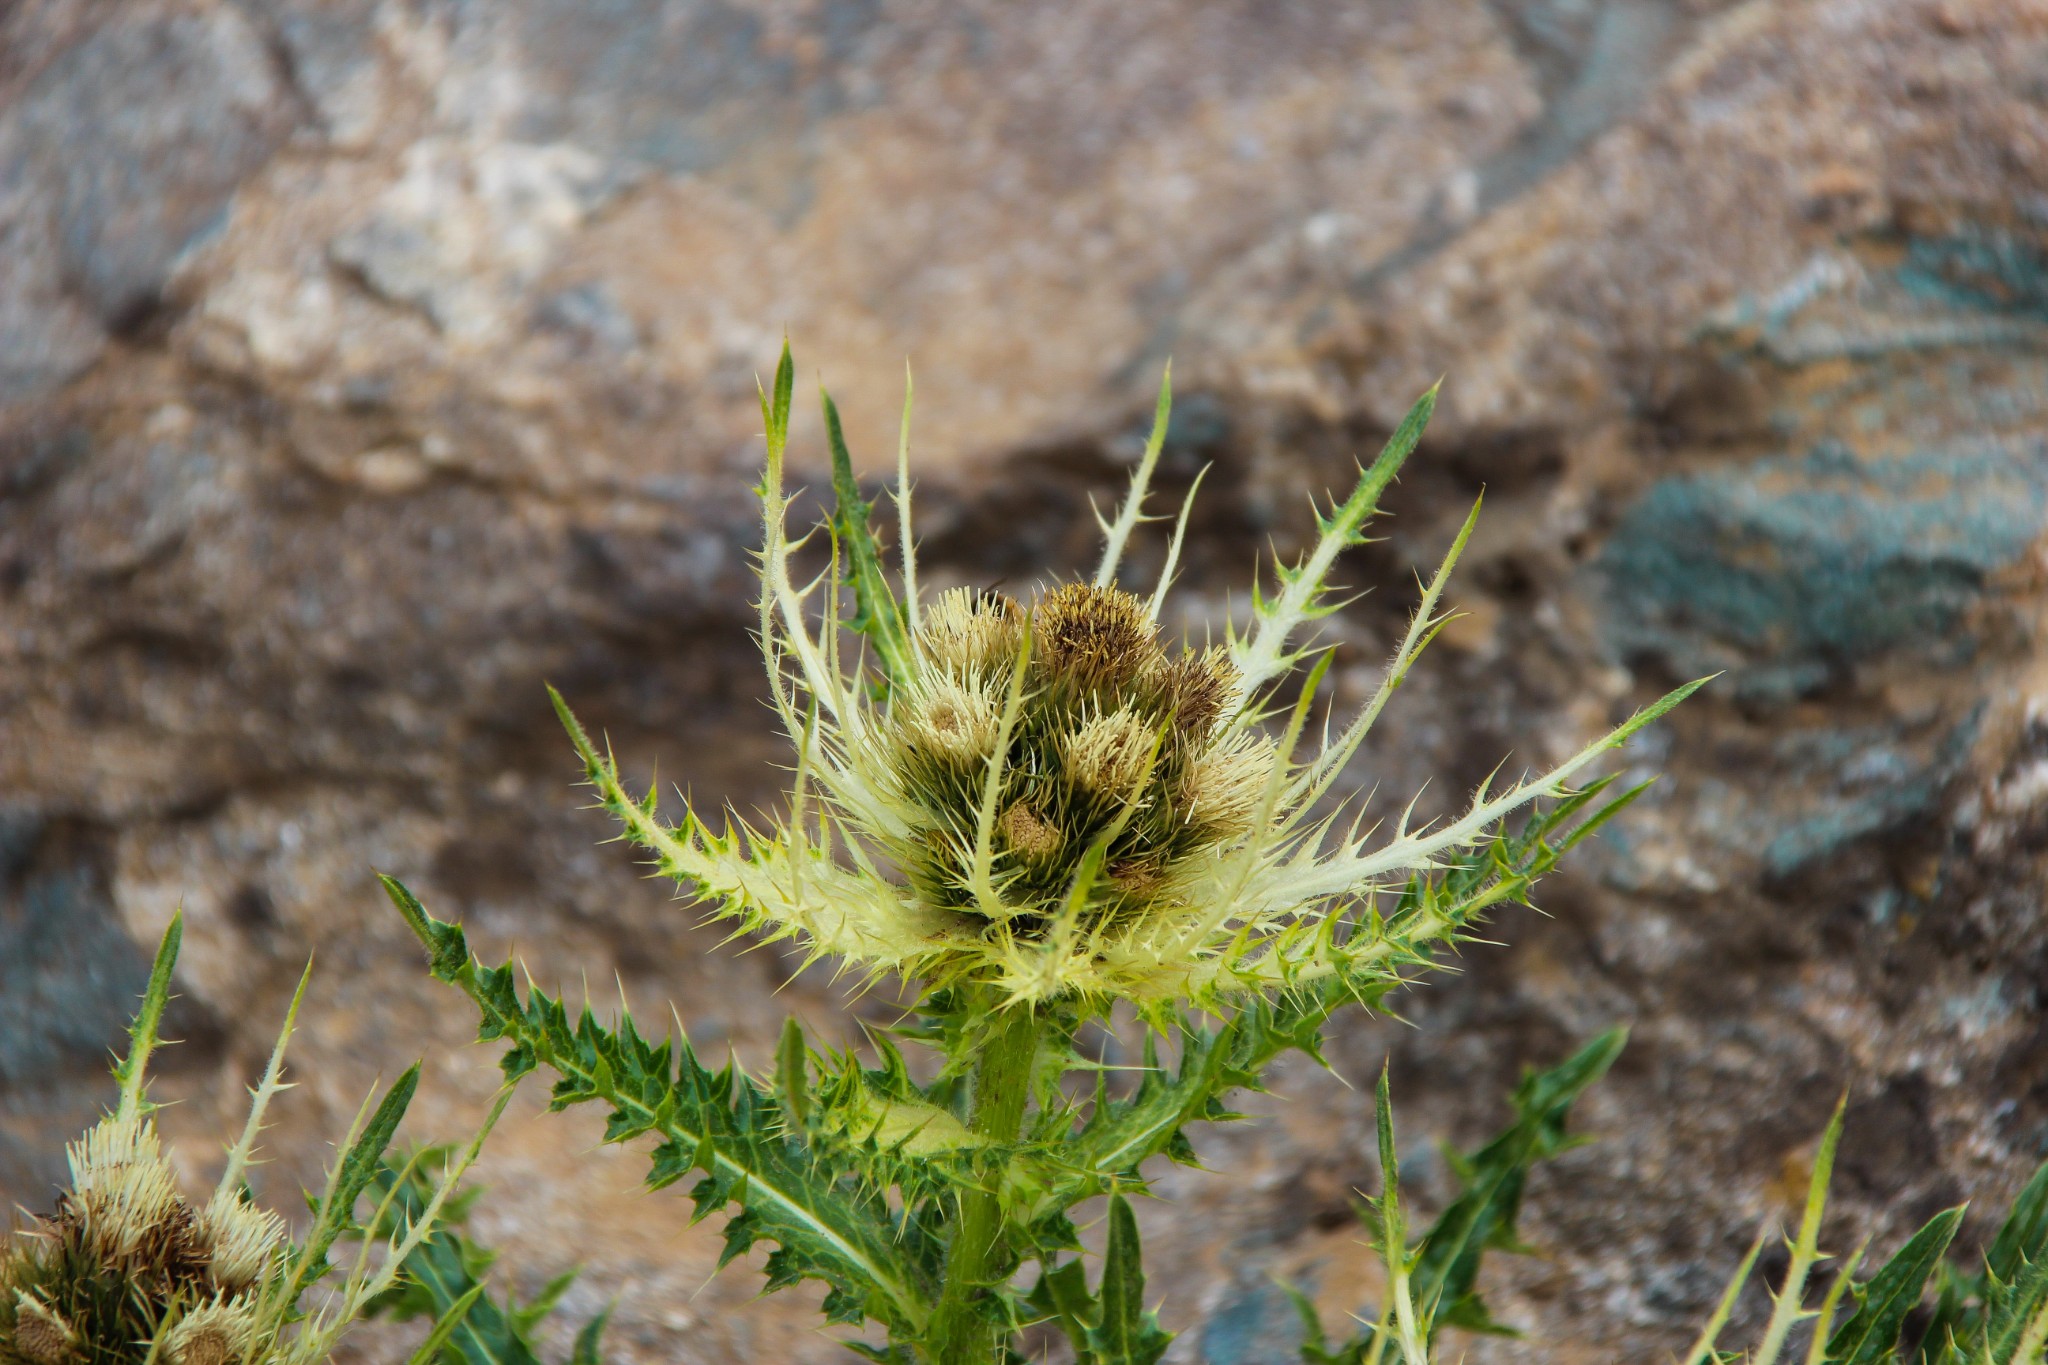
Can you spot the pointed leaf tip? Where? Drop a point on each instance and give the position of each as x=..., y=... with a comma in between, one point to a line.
x=447, y=947
x=577, y=735
x=143, y=1034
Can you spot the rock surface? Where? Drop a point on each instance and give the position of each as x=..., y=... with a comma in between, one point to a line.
x=364, y=363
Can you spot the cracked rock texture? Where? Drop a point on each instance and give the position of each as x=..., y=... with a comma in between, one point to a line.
x=364, y=363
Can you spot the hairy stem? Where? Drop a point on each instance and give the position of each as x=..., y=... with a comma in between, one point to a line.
x=960, y=1335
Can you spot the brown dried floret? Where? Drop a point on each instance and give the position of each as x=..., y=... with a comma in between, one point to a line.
x=1028, y=833
x=1095, y=637
x=1137, y=876
x=1196, y=687
x=41, y=1336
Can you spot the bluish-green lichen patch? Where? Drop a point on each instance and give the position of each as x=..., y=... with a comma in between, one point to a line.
x=1789, y=568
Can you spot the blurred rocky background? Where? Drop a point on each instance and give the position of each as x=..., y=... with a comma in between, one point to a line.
x=364, y=363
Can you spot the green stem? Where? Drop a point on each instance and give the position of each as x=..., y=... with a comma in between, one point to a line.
x=1002, y=1084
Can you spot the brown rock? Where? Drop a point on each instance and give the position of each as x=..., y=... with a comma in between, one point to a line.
x=365, y=364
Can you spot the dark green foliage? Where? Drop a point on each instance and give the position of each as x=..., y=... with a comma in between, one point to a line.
x=1995, y=1316
x=830, y=1224
x=359, y=1167
x=856, y=1172
x=1026, y=811
x=1445, y=1260
x=445, y=1281
x=1491, y=1180
x=877, y=615
x=1110, y=1326
x=1871, y=1335
x=1983, y=1314
x=1980, y=1318
x=128, y=1271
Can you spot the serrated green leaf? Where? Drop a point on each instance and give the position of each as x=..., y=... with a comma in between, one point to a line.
x=1871, y=1335
x=1263, y=653
x=1126, y=1332
x=2008, y=1309
x=447, y=1269
x=132, y=1069
x=444, y=1327
x=585, y=1349
x=877, y=615
x=357, y=1169
x=1483, y=1215
x=2022, y=1239
x=1062, y=1295
x=831, y=1223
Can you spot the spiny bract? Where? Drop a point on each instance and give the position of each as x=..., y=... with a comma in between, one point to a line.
x=1049, y=801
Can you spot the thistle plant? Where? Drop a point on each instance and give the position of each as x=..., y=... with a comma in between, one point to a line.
x=1919, y=1308
x=1993, y=1314
x=1021, y=813
x=128, y=1271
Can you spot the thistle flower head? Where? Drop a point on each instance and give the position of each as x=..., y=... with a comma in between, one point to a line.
x=1049, y=799
x=217, y=1332
x=128, y=1271
x=1108, y=751
x=124, y=1204
x=241, y=1239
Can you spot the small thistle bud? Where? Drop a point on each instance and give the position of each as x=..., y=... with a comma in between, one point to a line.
x=1136, y=877
x=41, y=1336
x=955, y=720
x=215, y=1333
x=1195, y=688
x=1108, y=755
x=240, y=1238
x=1028, y=834
x=1225, y=783
x=1096, y=637
x=970, y=633
x=124, y=1196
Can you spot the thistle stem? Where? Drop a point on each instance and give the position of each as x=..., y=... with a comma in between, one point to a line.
x=1002, y=1084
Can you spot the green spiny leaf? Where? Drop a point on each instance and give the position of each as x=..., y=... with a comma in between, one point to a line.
x=444, y=1328
x=584, y=1351
x=1127, y=1333
x=2023, y=1237
x=358, y=1168
x=831, y=1223
x=1264, y=655
x=446, y=1271
x=1871, y=1335
x=1493, y=1177
x=1062, y=1295
x=877, y=615
x=2010, y=1311
x=142, y=1034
